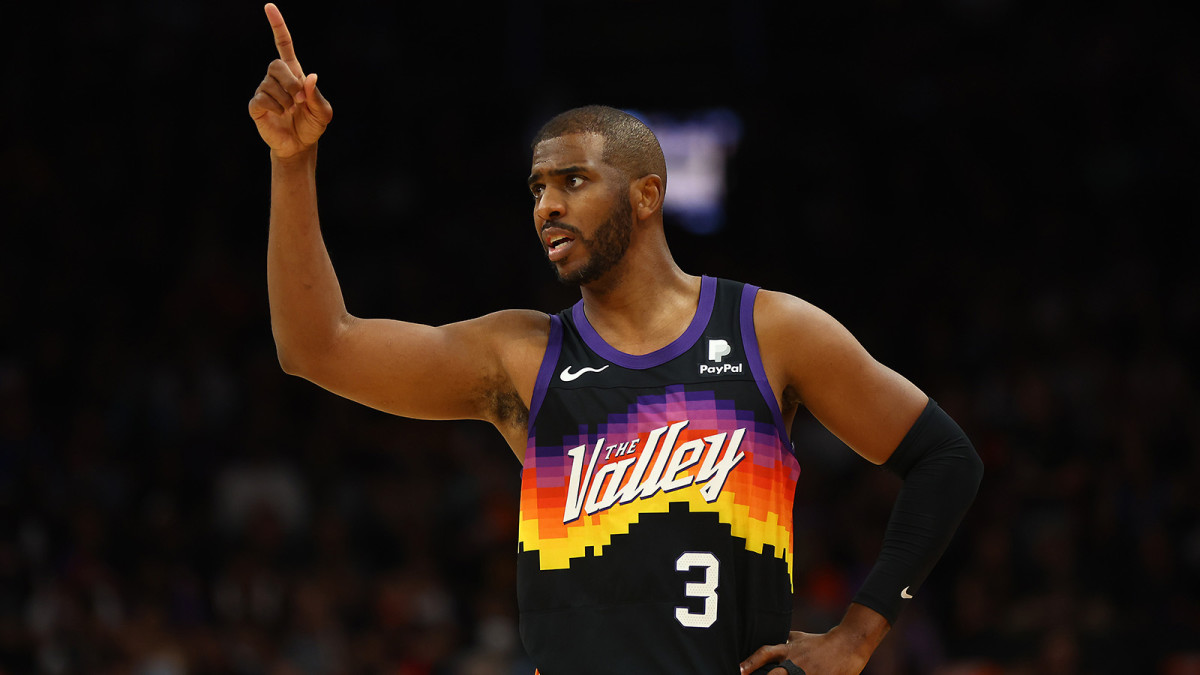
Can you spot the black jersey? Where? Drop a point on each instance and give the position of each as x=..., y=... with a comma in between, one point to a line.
x=656, y=500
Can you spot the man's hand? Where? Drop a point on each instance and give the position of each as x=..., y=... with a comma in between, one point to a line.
x=842, y=651
x=289, y=110
x=816, y=654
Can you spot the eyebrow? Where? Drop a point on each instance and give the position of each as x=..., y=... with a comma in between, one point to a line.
x=556, y=172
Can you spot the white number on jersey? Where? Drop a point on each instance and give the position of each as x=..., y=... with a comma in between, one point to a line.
x=706, y=589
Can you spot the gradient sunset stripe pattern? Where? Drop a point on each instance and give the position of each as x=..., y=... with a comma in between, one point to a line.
x=755, y=501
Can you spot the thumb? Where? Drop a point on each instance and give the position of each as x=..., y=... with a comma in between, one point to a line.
x=320, y=108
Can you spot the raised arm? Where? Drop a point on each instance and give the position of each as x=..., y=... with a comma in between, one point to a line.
x=812, y=360
x=478, y=369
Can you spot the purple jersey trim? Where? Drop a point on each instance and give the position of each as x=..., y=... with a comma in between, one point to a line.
x=708, y=293
x=553, y=347
x=750, y=343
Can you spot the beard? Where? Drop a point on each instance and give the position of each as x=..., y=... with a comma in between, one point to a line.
x=606, y=247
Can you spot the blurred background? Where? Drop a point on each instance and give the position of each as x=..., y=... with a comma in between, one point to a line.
x=998, y=198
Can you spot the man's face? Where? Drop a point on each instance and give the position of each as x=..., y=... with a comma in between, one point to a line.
x=581, y=207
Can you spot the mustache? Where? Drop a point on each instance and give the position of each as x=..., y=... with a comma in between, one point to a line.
x=562, y=226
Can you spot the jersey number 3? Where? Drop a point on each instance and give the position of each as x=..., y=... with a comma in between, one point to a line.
x=706, y=589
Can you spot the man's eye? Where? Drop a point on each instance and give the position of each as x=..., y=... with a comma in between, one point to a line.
x=535, y=191
x=574, y=181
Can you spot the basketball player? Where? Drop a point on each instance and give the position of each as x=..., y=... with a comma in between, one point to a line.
x=651, y=418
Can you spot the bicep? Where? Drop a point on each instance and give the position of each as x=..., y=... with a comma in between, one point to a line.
x=864, y=403
x=421, y=371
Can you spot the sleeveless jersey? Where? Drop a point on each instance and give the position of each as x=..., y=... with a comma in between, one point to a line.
x=656, y=500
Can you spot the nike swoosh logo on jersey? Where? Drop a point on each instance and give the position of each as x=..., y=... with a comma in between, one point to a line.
x=566, y=375
x=905, y=594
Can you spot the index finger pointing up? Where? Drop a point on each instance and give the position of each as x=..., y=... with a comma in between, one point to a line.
x=283, y=39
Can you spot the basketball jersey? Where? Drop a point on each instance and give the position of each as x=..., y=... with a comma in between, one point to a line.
x=656, y=500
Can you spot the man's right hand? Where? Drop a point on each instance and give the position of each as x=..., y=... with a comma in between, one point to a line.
x=289, y=110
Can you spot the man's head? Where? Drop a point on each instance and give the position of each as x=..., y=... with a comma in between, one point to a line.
x=629, y=145
x=589, y=167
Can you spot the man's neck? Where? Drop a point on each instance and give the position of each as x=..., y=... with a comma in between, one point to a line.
x=639, y=308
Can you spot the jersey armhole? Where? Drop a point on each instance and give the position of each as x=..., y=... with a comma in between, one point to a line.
x=750, y=342
x=546, y=371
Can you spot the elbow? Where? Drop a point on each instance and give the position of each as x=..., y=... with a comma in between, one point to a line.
x=293, y=351
x=293, y=362
x=305, y=353
x=287, y=363
x=975, y=463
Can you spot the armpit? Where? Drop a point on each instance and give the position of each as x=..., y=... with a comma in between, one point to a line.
x=791, y=399
x=507, y=409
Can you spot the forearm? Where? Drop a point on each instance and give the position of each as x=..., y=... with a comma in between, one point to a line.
x=305, y=297
x=863, y=629
x=941, y=473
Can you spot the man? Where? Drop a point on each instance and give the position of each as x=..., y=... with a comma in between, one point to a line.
x=651, y=418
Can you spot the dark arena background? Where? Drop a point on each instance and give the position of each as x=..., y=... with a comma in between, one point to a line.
x=999, y=199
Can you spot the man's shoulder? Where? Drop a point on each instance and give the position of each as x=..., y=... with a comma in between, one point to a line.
x=780, y=302
x=767, y=296
x=789, y=317
x=516, y=324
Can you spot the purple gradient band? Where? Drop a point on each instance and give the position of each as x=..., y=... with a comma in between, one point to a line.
x=750, y=342
x=553, y=347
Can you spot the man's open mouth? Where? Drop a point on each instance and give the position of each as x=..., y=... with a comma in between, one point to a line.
x=558, y=244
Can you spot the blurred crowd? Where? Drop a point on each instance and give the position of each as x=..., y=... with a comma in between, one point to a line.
x=998, y=201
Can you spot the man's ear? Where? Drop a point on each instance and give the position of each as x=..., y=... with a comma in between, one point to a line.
x=646, y=195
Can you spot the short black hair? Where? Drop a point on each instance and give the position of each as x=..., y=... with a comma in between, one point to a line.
x=629, y=145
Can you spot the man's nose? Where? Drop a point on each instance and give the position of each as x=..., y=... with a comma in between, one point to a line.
x=550, y=205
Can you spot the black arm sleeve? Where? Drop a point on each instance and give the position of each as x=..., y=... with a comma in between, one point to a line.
x=941, y=473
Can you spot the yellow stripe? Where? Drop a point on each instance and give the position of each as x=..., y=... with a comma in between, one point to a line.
x=597, y=531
